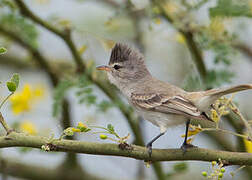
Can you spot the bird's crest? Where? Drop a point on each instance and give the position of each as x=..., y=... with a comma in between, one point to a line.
x=122, y=52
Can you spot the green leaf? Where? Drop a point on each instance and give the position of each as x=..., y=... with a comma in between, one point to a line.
x=59, y=94
x=11, y=86
x=20, y=26
x=216, y=78
x=192, y=83
x=2, y=50
x=105, y=105
x=231, y=8
x=110, y=127
x=83, y=128
x=13, y=83
x=15, y=79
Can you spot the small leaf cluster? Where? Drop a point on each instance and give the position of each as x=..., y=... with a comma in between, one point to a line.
x=59, y=94
x=193, y=82
x=216, y=78
x=111, y=130
x=20, y=26
x=12, y=85
x=80, y=128
x=231, y=8
x=223, y=51
x=2, y=50
x=84, y=93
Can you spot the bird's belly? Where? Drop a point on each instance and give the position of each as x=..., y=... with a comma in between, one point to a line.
x=163, y=121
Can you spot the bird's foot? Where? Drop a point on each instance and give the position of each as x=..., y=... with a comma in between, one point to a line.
x=149, y=147
x=186, y=146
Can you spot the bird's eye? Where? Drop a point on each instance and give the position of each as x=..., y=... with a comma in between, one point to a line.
x=116, y=67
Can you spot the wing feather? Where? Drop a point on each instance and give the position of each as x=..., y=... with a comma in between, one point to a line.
x=165, y=104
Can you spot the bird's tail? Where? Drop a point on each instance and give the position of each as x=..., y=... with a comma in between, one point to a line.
x=223, y=91
x=204, y=99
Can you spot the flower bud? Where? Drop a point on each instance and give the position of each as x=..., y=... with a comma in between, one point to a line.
x=103, y=136
x=204, y=173
x=222, y=170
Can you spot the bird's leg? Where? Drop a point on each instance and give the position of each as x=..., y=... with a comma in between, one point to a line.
x=149, y=145
x=185, y=145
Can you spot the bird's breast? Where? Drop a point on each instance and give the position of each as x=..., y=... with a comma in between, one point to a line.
x=163, y=121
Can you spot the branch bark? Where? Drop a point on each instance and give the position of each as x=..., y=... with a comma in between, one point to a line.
x=137, y=152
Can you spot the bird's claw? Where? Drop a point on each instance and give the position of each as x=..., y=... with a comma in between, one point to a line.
x=186, y=146
x=149, y=147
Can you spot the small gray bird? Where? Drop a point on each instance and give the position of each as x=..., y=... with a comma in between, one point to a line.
x=161, y=103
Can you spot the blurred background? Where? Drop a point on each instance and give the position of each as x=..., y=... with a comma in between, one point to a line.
x=55, y=45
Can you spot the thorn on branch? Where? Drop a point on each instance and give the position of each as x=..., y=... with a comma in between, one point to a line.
x=125, y=146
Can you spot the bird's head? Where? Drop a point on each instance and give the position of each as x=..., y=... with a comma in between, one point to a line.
x=126, y=65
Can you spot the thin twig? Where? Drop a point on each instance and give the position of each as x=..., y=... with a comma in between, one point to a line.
x=4, y=124
x=64, y=35
x=246, y=123
x=189, y=37
x=3, y=102
x=226, y=131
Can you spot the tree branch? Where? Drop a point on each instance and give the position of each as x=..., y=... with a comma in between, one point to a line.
x=137, y=152
x=243, y=48
x=64, y=35
x=191, y=44
x=36, y=54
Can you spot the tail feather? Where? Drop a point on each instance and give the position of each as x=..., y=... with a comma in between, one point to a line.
x=204, y=99
x=224, y=91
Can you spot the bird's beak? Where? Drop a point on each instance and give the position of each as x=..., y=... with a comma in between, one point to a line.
x=103, y=68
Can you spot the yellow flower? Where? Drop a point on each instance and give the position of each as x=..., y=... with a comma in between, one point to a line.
x=22, y=101
x=180, y=38
x=214, y=116
x=28, y=127
x=193, y=131
x=82, y=127
x=76, y=130
x=80, y=124
x=248, y=145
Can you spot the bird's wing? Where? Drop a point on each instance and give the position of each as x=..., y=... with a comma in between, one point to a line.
x=165, y=104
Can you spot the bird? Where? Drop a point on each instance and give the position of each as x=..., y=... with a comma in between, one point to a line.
x=163, y=104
